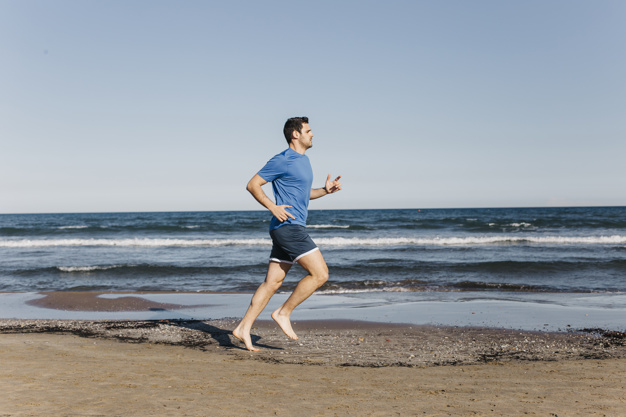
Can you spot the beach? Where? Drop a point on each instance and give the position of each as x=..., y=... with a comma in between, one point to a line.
x=195, y=368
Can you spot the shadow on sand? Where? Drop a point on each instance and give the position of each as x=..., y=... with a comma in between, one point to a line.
x=221, y=336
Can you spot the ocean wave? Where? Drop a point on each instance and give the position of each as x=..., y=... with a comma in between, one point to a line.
x=498, y=286
x=461, y=241
x=88, y=268
x=131, y=242
x=327, y=226
x=73, y=227
x=147, y=270
x=522, y=224
x=329, y=241
x=356, y=287
x=365, y=286
x=364, y=290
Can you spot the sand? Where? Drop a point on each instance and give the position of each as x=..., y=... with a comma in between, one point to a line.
x=195, y=368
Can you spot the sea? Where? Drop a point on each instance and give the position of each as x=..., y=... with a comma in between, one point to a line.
x=433, y=252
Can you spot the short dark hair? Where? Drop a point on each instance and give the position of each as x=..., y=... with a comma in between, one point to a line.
x=293, y=124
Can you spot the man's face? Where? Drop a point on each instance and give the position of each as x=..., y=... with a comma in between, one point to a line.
x=306, y=136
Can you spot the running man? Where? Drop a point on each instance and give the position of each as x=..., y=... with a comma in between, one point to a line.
x=291, y=176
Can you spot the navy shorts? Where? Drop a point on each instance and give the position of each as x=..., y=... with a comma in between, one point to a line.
x=290, y=243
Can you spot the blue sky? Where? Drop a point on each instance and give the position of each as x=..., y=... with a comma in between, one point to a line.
x=174, y=105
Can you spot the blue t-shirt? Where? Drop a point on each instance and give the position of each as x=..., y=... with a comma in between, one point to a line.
x=291, y=176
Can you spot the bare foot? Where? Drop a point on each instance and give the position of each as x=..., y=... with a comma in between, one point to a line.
x=284, y=324
x=245, y=338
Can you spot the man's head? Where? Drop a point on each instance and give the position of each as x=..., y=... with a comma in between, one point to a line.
x=294, y=125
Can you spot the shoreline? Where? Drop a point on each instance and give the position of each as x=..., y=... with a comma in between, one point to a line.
x=513, y=311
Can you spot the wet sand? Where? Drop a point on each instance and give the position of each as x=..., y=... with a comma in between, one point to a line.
x=196, y=368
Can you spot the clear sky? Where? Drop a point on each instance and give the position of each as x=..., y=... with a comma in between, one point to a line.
x=152, y=105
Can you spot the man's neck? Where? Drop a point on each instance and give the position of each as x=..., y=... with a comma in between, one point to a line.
x=297, y=147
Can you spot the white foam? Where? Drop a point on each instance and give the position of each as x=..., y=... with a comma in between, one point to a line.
x=85, y=268
x=130, y=242
x=364, y=290
x=522, y=224
x=327, y=226
x=330, y=241
x=73, y=227
x=458, y=241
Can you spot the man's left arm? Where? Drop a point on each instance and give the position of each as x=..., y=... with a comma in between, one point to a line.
x=329, y=188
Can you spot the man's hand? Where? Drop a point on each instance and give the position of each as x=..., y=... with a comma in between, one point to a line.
x=329, y=188
x=332, y=186
x=281, y=214
x=254, y=187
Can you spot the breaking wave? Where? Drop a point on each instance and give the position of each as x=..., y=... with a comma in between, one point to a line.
x=331, y=241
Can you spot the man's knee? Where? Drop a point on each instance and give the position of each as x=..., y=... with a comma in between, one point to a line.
x=276, y=274
x=273, y=282
x=315, y=265
x=321, y=276
x=274, y=285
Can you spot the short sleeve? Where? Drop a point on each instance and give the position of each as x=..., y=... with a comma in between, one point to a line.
x=274, y=168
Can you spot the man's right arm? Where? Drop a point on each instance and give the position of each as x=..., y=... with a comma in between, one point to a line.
x=255, y=188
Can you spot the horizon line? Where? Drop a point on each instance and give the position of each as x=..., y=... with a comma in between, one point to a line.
x=329, y=209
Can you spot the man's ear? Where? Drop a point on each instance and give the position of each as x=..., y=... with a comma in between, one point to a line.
x=295, y=135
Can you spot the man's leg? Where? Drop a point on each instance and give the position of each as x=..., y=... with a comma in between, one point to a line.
x=318, y=274
x=276, y=272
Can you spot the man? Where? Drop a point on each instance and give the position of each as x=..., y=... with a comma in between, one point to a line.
x=291, y=176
